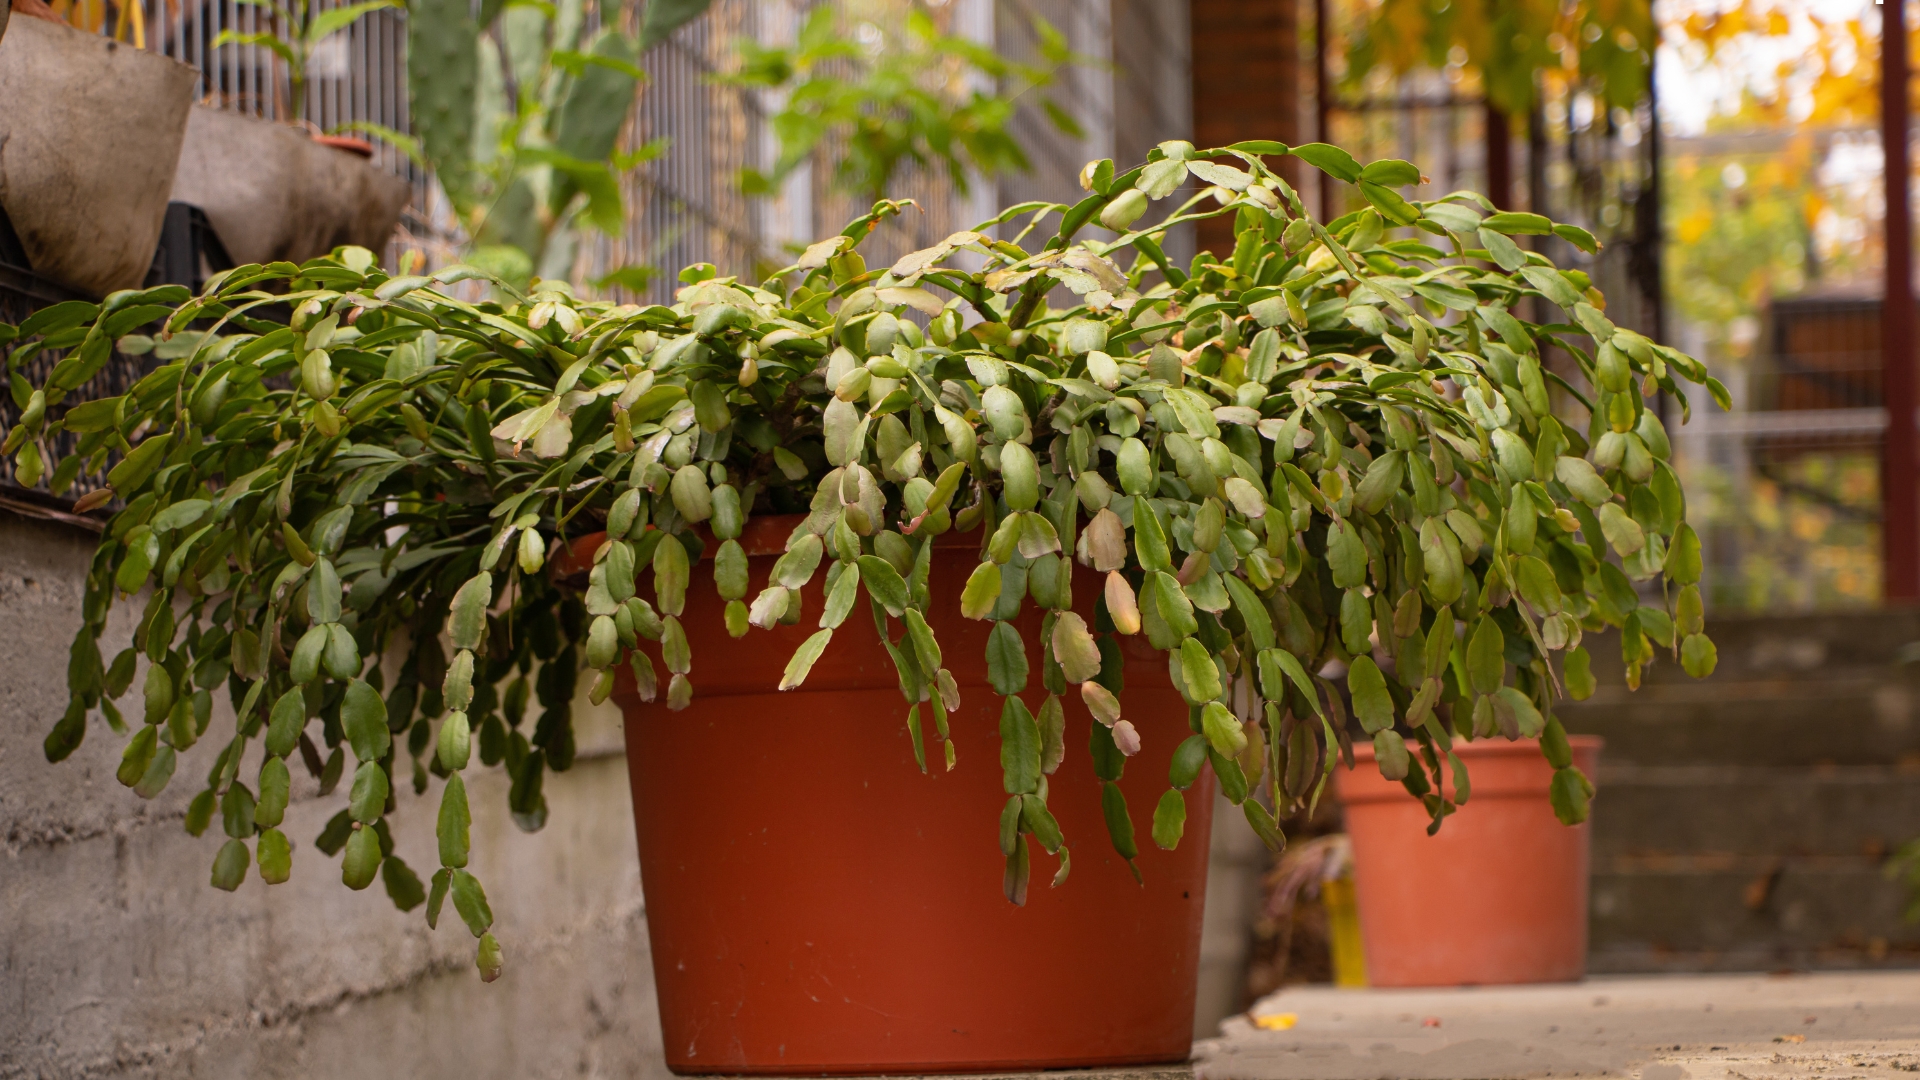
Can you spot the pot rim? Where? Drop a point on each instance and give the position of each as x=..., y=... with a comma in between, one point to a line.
x=358, y=147
x=1494, y=747
x=763, y=536
x=1354, y=787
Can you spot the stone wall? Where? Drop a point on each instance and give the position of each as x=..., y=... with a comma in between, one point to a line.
x=118, y=960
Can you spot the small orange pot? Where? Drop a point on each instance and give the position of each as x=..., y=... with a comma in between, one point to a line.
x=1498, y=895
x=819, y=906
x=348, y=143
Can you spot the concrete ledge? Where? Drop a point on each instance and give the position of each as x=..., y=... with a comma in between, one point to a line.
x=1141, y=1073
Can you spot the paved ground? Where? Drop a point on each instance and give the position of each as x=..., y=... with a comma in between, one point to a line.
x=1833, y=1026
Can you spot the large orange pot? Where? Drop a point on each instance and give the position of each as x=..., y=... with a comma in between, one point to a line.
x=1498, y=895
x=817, y=905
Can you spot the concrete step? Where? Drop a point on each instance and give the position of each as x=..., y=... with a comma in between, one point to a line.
x=1835, y=811
x=1743, y=819
x=1777, y=646
x=1780, y=722
x=1639, y=958
x=1788, y=690
x=1771, y=912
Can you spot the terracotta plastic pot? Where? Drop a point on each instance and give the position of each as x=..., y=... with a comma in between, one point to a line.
x=357, y=147
x=818, y=905
x=1498, y=895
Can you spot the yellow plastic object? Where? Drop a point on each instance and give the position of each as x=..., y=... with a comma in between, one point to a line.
x=128, y=17
x=1343, y=925
x=1276, y=1021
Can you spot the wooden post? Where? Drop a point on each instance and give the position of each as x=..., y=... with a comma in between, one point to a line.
x=1246, y=84
x=1537, y=159
x=1650, y=237
x=1499, y=158
x=1899, y=495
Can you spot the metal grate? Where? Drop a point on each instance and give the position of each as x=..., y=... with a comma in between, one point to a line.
x=686, y=207
x=21, y=294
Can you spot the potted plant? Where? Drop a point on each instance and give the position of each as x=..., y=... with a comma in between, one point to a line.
x=398, y=528
x=92, y=130
x=1501, y=857
x=285, y=191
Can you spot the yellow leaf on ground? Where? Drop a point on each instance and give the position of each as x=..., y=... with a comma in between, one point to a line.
x=1276, y=1021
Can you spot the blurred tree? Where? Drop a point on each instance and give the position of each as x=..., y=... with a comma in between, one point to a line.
x=1752, y=226
x=885, y=82
x=1743, y=234
x=1786, y=203
x=1785, y=62
x=1605, y=44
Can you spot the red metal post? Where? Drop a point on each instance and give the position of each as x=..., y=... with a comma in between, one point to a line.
x=1899, y=492
x=1320, y=103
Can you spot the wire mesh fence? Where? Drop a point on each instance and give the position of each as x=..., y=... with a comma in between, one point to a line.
x=687, y=206
x=1586, y=166
x=1786, y=486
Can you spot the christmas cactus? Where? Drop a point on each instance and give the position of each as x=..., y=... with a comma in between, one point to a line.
x=1372, y=477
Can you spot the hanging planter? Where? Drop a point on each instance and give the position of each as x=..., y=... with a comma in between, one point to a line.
x=91, y=130
x=272, y=192
x=1512, y=876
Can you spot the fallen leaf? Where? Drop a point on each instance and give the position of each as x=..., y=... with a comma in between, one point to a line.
x=1276, y=1021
